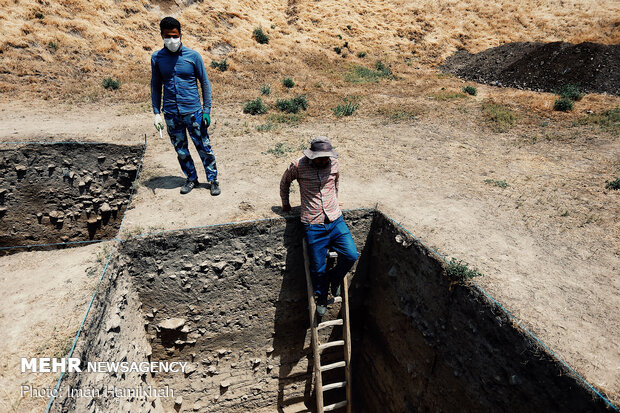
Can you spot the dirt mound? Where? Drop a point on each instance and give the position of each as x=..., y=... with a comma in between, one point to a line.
x=542, y=66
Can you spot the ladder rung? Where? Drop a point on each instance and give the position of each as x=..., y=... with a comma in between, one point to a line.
x=334, y=406
x=324, y=324
x=332, y=386
x=333, y=366
x=331, y=344
x=332, y=254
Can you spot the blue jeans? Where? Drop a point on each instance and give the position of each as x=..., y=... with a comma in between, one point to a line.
x=192, y=122
x=321, y=237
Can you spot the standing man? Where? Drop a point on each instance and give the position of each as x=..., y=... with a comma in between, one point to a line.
x=178, y=68
x=317, y=174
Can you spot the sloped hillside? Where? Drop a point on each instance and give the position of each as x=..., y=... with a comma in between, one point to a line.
x=63, y=49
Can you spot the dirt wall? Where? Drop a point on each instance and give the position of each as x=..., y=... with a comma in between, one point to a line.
x=64, y=192
x=429, y=345
x=231, y=300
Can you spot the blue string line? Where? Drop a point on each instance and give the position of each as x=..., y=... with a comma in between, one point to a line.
x=77, y=336
x=57, y=243
x=518, y=322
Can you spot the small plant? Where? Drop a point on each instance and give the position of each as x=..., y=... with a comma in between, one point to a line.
x=608, y=120
x=111, y=83
x=501, y=184
x=500, y=117
x=280, y=150
x=265, y=90
x=361, y=74
x=288, y=83
x=346, y=45
x=348, y=108
x=52, y=45
x=292, y=105
x=289, y=119
x=361, y=55
x=470, y=90
x=38, y=15
x=255, y=107
x=570, y=92
x=260, y=36
x=338, y=50
x=221, y=66
x=383, y=69
x=563, y=105
x=266, y=127
x=348, y=26
x=615, y=184
x=460, y=271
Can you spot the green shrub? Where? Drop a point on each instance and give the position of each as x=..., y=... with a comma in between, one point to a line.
x=361, y=54
x=563, y=105
x=337, y=50
x=260, y=36
x=221, y=66
x=288, y=83
x=459, y=271
x=265, y=90
x=38, y=15
x=383, y=69
x=292, y=105
x=255, y=107
x=615, y=184
x=348, y=108
x=501, y=184
x=500, y=117
x=470, y=90
x=266, y=127
x=289, y=119
x=111, y=83
x=570, y=92
x=53, y=45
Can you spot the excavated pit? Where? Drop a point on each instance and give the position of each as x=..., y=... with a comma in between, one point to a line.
x=231, y=301
x=65, y=192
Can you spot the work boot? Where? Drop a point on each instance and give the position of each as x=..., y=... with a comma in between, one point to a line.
x=188, y=186
x=215, y=188
x=336, y=289
x=321, y=304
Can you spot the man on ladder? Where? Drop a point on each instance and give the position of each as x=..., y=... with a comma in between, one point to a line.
x=317, y=174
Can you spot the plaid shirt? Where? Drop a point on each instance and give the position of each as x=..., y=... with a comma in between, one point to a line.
x=318, y=188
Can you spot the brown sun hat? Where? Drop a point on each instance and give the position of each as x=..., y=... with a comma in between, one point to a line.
x=320, y=147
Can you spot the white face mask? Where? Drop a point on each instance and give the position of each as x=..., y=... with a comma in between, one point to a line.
x=172, y=44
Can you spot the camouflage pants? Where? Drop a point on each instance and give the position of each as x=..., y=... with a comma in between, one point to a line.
x=192, y=122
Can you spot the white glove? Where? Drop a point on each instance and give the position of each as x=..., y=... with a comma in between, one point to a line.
x=159, y=123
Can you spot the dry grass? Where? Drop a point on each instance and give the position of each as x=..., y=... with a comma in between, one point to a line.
x=63, y=49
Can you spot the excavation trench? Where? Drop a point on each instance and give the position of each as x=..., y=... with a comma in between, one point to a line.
x=63, y=193
x=231, y=301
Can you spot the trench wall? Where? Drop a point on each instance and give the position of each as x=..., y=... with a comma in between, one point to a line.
x=64, y=192
x=429, y=345
x=229, y=299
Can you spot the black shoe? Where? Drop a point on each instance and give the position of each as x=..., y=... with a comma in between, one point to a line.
x=321, y=305
x=189, y=185
x=215, y=188
x=336, y=289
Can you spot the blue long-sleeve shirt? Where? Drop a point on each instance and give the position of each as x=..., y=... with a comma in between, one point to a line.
x=178, y=73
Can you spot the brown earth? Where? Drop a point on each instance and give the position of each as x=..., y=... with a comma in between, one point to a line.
x=547, y=242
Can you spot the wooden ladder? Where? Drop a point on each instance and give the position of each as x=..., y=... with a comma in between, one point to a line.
x=317, y=347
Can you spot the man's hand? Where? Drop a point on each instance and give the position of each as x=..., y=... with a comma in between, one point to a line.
x=159, y=123
x=286, y=208
x=206, y=118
